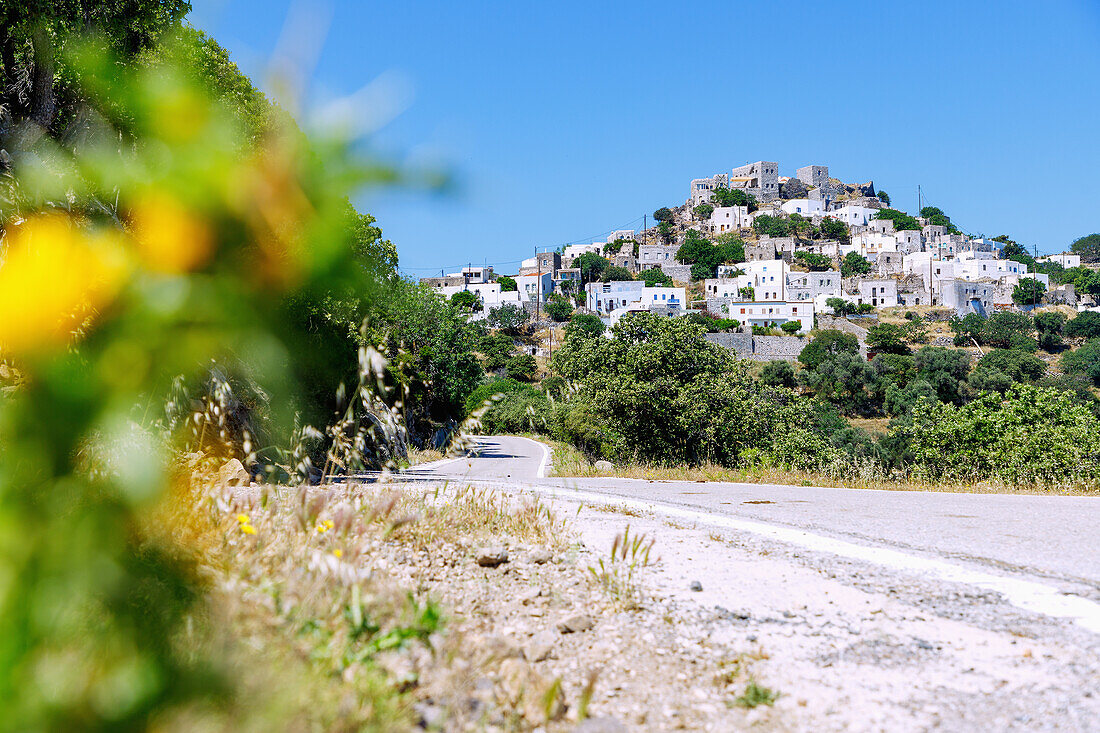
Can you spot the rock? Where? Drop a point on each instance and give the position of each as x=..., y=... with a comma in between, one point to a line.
x=497, y=646
x=605, y=466
x=528, y=596
x=696, y=586
x=540, y=556
x=600, y=725
x=539, y=647
x=232, y=473
x=490, y=557
x=576, y=622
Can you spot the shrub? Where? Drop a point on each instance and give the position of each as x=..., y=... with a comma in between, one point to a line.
x=813, y=262
x=559, y=308
x=521, y=367
x=1028, y=436
x=1008, y=329
x=854, y=264
x=791, y=327
x=1000, y=369
x=778, y=373
x=1085, y=360
x=509, y=318
x=1028, y=291
x=943, y=368
x=663, y=214
x=513, y=407
x=655, y=276
x=703, y=211
x=826, y=343
x=1050, y=326
x=585, y=324
x=887, y=338
x=1085, y=324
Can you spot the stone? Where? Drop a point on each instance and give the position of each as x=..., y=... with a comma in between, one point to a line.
x=696, y=586
x=491, y=557
x=605, y=466
x=600, y=725
x=233, y=473
x=539, y=647
x=539, y=556
x=528, y=596
x=576, y=622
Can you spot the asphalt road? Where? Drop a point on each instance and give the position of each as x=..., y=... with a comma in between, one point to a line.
x=1049, y=539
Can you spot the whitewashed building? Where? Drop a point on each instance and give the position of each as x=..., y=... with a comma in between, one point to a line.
x=606, y=297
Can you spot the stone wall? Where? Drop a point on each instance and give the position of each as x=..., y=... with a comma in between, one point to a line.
x=679, y=273
x=760, y=348
x=825, y=323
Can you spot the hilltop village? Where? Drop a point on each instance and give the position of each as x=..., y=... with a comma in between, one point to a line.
x=763, y=254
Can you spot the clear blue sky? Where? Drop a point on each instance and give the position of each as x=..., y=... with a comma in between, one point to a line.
x=564, y=120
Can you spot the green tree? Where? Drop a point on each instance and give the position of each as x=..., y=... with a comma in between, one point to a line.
x=902, y=221
x=666, y=232
x=827, y=343
x=510, y=318
x=1000, y=369
x=591, y=266
x=723, y=196
x=854, y=264
x=655, y=276
x=1028, y=291
x=465, y=301
x=884, y=197
x=842, y=378
x=497, y=348
x=558, y=307
x=1084, y=325
x=1085, y=281
x=746, y=293
x=507, y=284
x=616, y=273
x=899, y=400
x=1050, y=326
x=1027, y=436
x=731, y=249
x=813, y=262
x=703, y=211
x=701, y=254
x=1013, y=251
x=840, y=306
x=945, y=369
x=936, y=217
x=790, y=327
x=833, y=229
x=970, y=328
x=521, y=367
x=772, y=226
x=585, y=324
x=778, y=373
x=1008, y=329
x=1088, y=247
x=887, y=338
x=663, y=214
x=1084, y=360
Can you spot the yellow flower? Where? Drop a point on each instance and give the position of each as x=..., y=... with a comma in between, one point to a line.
x=325, y=526
x=248, y=529
x=169, y=238
x=242, y=518
x=338, y=552
x=52, y=278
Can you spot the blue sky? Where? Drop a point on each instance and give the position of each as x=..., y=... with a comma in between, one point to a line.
x=562, y=121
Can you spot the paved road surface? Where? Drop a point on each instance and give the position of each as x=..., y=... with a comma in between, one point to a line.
x=1052, y=540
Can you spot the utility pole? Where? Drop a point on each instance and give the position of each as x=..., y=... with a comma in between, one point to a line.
x=538, y=287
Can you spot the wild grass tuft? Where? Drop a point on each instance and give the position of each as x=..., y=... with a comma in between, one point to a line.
x=619, y=576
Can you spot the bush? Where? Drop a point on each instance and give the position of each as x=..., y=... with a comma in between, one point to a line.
x=497, y=348
x=854, y=264
x=703, y=211
x=509, y=318
x=826, y=343
x=1008, y=329
x=1085, y=324
x=1085, y=360
x=1050, y=326
x=887, y=338
x=559, y=308
x=663, y=214
x=507, y=284
x=1028, y=291
x=791, y=327
x=945, y=369
x=585, y=324
x=655, y=277
x=813, y=262
x=521, y=367
x=778, y=373
x=512, y=407
x=1000, y=369
x=616, y=274
x=1028, y=436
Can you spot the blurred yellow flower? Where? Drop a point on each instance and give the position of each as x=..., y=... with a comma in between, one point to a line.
x=53, y=276
x=169, y=237
x=242, y=519
x=248, y=529
x=325, y=526
x=338, y=552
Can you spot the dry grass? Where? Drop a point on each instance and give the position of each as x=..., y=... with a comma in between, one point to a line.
x=306, y=609
x=569, y=462
x=417, y=456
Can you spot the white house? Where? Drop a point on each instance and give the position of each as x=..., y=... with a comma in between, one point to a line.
x=852, y=214
x=767, y=313
x=727, y=219
x=576, y=250
x=767, y=278
x=607, y=297
x=803, y=207
x=1065, y=259
x=816, y=287
x=488, y=294
x=534, y=287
